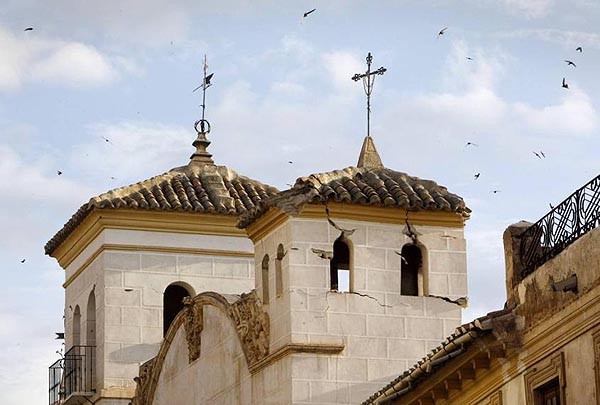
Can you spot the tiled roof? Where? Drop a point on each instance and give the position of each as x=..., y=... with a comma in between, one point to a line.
x=204, y=188
x=363, y=185
x=454, y=345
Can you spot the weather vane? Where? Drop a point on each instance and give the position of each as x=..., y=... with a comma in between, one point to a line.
x=368, y=79
x=204, y=124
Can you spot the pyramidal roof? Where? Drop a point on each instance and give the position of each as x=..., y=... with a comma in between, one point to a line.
x=368, y=184
x=199, y=187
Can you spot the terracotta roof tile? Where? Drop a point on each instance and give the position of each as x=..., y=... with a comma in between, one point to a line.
x=377, y=186
x=191, y=188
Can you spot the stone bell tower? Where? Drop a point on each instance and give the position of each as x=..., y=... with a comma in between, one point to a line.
x=361, y=270
x=132, y=254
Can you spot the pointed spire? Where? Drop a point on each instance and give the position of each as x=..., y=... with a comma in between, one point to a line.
x=369, y=157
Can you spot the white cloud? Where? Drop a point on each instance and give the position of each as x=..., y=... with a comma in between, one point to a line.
x=574, y=115
x=26, y=58
x=528, y=8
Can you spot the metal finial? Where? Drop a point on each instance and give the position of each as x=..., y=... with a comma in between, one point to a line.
x=203, y=123
x=368, y=81
x=202, y=126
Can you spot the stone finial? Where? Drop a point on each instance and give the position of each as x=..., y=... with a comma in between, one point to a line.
x=369, y=157
x=201, y=156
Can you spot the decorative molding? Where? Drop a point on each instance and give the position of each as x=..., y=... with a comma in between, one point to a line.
x=266, y=224
x=142, y=220
x=495, y=398
x=142, y=383
x=386, y=215
x=193, y=324
x=547, y=370
x=293, y=348
x=155, y=249
x=252, y=325
x=596, y=340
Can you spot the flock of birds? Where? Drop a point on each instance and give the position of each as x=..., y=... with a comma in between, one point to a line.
x=476, y=176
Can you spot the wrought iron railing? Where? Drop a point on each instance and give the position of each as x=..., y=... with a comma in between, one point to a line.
x=574, y=217
x=75, y=374
x=55, y=373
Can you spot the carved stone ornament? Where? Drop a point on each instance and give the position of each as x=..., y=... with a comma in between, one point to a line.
x=193, y=324
x=143, y=382
x=252, y=326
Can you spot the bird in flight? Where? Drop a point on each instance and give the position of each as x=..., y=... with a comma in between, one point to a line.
x=401, y=257
x=570, y=63
x=323, y=254
x=564, y=84
x=477, y=176
x=58, y=172
x=290, y=162
x=542, y=153
x=106, y=139
x=580, y=49
x=23, y=261
x=442, y=31
x=551, y=206
x=28, y=29
x=469, y=58
x=470, y=144
x=309, y=12
x=537, y=154
x=496, y=191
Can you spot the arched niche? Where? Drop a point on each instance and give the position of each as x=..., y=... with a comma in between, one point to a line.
x=173, y=302
x=412, y=279
x=76, y=326
x=279, y=271
x=340, y=266
x=265, y=279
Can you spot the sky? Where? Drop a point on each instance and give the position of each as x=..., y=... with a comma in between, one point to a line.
x=125, y=70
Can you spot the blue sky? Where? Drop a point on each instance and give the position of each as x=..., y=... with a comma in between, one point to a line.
x=282, y=92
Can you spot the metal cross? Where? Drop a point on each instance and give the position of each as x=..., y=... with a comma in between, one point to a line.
x=368, y=80
x=204, y=124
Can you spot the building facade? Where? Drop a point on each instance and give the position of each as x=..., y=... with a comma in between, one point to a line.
x=544, y=346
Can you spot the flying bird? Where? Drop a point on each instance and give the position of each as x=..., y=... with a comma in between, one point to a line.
x=542, y=153
x=23, y=261
x=401, y=257
x=537, y=154
x=564, y=84
x=345, y=232
x=309, y=12
x=477, y=176
x=442, y=31
x=570, y=63
x=323, y=254
x=496, y=191
x=470, y=144
x=106, y=139
x=58, y=172
x=469, y=58
x=290, y=162
x=28, y=29
x=551, y=206
x=580, y=49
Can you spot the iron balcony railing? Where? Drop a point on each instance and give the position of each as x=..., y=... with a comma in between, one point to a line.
x=75, y=374
x=574, y=217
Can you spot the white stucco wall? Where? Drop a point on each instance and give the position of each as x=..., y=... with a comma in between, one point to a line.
x=129, y=288
x=383, y=331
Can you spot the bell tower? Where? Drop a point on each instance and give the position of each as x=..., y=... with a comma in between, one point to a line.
x=365, y=268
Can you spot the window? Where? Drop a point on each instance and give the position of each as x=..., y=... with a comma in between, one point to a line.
x=172, y=304
x=265, y=279
x=549, y=393
x=76, y=326
x=278, y=271
x=340, y=266
x=545, y=382
x=411, y=264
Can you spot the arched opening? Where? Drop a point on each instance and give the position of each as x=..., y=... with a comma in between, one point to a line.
x=90, y=341
x=339, y=266
x=172, y=304
x=90, y=323
x=410, y=269
x=265, y=279
x=76, y=326
x=278, y=271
